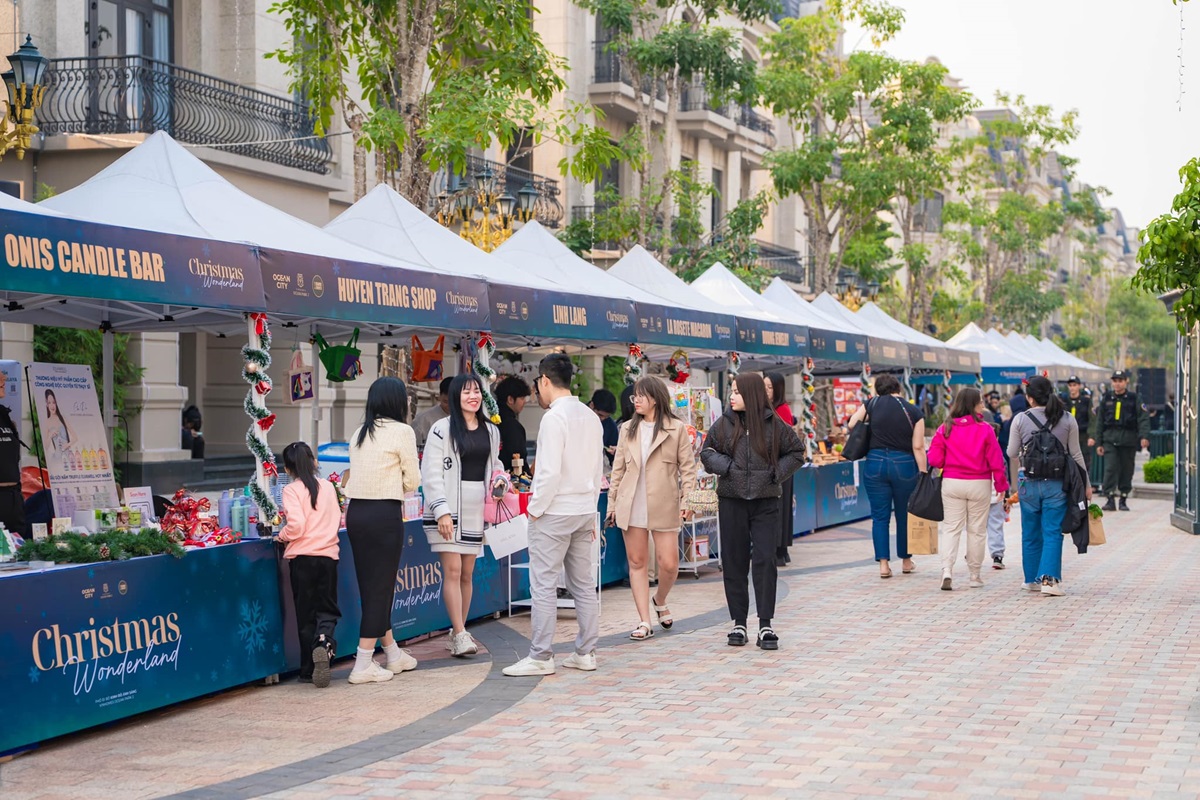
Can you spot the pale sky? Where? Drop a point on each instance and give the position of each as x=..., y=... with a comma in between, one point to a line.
x=1116, y=61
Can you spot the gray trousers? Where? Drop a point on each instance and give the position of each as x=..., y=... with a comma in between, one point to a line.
x=557, y=544
x=995, y=530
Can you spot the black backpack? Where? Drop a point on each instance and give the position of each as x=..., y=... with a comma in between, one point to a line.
x=1043, y=455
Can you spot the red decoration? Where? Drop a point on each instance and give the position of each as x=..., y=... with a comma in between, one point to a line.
x=262, y=387
x=186, y=522
x=486, y=341
x=260, y=323
x=270, y=470
x=266, y=422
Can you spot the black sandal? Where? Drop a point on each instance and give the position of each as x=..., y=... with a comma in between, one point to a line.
x=737, y=636
x=768, y=640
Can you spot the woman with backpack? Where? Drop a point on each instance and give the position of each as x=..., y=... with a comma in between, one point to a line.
x=966, y=450
x=1044, y=437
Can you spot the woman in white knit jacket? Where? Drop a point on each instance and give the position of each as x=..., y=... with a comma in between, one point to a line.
x=460, y=464
x=383, y=468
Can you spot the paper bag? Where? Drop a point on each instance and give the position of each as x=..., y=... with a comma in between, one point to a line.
x=508, y=537
x=300, y=379
x=922, y=536
x=1096, y=531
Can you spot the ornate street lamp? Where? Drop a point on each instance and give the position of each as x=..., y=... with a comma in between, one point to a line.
x=854, y=294
x=25, y=94
x=483, y=214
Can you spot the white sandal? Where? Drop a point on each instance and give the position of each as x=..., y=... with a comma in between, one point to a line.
x=666, y=620
x=645, y=631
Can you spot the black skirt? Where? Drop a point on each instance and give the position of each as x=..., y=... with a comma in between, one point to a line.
x=376, y=532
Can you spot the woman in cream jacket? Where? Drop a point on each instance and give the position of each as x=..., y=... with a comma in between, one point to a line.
x=653, y=470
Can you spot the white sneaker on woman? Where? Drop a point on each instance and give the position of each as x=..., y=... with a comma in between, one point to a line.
x=402, y=664
x=372, y=674
x=461, y=644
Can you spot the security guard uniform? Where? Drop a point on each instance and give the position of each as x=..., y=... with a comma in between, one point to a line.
x=1120, y=424
x=1081, y=409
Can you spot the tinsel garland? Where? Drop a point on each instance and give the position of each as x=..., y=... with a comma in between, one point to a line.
x=947, y=395
x=75, y=548
x=254, y=372
x=908, y=386
x=808, y=408
x=482, y=366
x=733, y=364
x=865, y=390
x=633, y=365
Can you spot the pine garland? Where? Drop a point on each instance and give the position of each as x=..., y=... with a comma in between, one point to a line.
x=908, y=386
x=679, y=368
x=74, y=548
x=633, y=365
x=808, y=408
x=257, y=355
x=482, y=366
x=864, y=378
x=948, y=397
x=733, y=364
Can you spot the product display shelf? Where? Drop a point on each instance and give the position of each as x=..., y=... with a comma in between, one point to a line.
x=693, y=557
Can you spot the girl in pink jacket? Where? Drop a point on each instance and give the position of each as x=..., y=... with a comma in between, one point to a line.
x=968, y=453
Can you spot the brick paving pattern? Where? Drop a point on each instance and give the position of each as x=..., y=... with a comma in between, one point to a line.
x=881, y=688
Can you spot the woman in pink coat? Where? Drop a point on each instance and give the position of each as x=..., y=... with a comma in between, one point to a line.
x=966, y=450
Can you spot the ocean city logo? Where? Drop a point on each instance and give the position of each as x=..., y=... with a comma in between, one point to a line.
x=109, y=652
x=462, y=303
x=282, y=281
x=218, y=275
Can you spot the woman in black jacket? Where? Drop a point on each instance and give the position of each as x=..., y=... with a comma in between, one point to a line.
x=751, y=451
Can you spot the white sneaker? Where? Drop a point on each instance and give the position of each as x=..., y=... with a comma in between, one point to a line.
x=1032, y=587
x=587, y=663
x=975, y=582
x=371, y=674
x=530, y=666
x=1053, y=588
x=402, y=664
x=461, y=644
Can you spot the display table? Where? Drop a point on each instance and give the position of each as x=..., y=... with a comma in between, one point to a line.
x=92, y=643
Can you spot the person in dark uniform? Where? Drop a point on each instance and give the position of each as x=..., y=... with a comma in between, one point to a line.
x=12, y=502
x=1079, y=406
x=604, y=403
x=1121, y=424
x=512, y=392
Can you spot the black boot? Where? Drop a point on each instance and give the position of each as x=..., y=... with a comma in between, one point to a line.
x=1111, y=505
x=1123, y=505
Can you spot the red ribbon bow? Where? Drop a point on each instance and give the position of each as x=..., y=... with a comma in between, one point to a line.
x=486, y=340
x=262, y=387
x=260, y=323
x=270, y=470
x=266, y=422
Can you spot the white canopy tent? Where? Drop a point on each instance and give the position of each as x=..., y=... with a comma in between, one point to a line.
x=887, y=348
x=925, y=352
x=721, y=286
x=1000, y=364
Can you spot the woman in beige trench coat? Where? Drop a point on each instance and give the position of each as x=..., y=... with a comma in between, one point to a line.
x=653, y=470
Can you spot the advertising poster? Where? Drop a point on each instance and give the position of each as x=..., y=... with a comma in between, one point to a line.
x=847, y=397
x=11, y=389
x=77, y=457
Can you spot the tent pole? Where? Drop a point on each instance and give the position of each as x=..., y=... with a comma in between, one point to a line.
x=110, y=421
x=316, y=400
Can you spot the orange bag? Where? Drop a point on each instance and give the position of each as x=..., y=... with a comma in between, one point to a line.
x=33, y=480
x=427, y=364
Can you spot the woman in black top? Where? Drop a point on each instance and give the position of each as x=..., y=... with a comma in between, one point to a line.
x=511, y=394
x=896, y=456
x=751, y=451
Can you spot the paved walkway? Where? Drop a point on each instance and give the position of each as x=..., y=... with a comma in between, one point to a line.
x=882, y=688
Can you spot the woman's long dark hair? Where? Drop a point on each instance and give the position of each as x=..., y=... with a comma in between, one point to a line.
x=298, y=460
x=58, y=413
x=754, y=397
x=963, y=406
x=458, y=423
x=1041, y=391
x=386, y=399
x=778, y=389
x=656, y=390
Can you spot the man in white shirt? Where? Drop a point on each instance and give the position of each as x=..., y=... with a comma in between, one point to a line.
x=562, y=519
x=422, y=422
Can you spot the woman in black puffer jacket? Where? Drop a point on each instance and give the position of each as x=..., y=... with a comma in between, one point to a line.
x=752, y=452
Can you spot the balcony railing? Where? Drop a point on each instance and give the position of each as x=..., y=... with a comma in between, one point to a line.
x=786, y=263
x=132, y=94
x=589, y=213
x=695, y=98
x=749, y=118
x=548, y=210
x=610, y=69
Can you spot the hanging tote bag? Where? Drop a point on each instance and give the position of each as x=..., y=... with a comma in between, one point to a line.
x=427, y=364
x=858, y=443
x=926, y=500
x=502, y=509
x=300, y=379
x=341, y=361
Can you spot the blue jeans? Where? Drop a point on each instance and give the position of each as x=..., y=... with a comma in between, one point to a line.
x=889, y=476
x=1043, y=506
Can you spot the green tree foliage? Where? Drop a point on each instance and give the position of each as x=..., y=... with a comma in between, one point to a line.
x=435, y=79
x=76, y=346
x=870, y=124
x=1170, y=252
x=666, y=47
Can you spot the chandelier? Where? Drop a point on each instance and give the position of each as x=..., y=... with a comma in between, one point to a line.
x=853, y=293
x=482, y=212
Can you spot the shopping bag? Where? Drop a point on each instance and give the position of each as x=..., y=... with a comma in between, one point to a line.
x=300, y=379
x=427, y=364
x=341, y=361
x=508, y=537
x=1096, y=531
x=858, y=443
x=922, y=536
x=926, y=499
x=503, y=509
